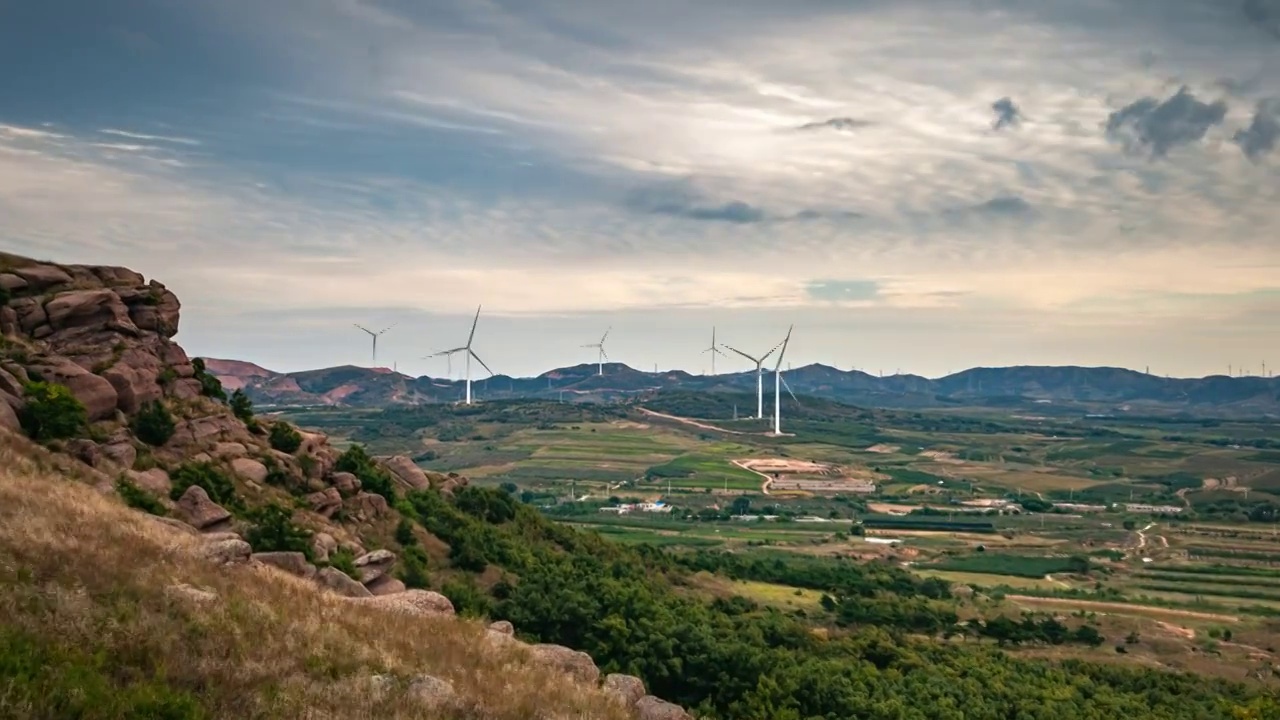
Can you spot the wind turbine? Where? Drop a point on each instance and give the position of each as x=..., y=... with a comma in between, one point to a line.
x=469, y=355
x=714, y=350
x=778, y=382
x=600, y=346
x=759, y=376
x=375, y=335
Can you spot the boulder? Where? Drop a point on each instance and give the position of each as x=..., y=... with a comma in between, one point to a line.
x=202, y=513
x=201, y=429
x=9, y=417
x=100, y=308
x=86, y=451
x=136, y=379
x=346, y=483
x=502, y=626
x=291, y=562
x=122, y=453
x=386, y=585
x=10, y=384
x=230, y=450
x=566, y=660
x=95, y=393
x=8, y=321
x=323, y=457
x=408, y=473
x=158, y=311
x=366, y=506
x=183, y=591
x=322, y=544
x=652, y=708
x=155, y=481
x=30, y=317
x=326, y=502
x=249, y=469
x=340, y=583
x=40, y=278
x=112, y=276
x=413, y=602
x=12, y=283
x=431, y=691
x=374, y=565
x=226, y=550
x=627, y=689
x=178, y=525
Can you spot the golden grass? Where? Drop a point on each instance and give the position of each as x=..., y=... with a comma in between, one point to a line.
x=80, y=570
x=987, y=580
x=783, y=596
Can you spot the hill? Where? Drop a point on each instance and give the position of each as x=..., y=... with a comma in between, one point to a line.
x=1044, y=389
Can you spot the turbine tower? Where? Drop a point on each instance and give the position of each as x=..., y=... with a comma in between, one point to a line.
x=759, y=376
x=600, y=346
x=714, y=350
x=469, y=355
x=374, y=335
x=778, y=382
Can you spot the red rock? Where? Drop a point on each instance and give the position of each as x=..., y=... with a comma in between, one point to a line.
x=97, y=395
x=8, y=417
x=40, y=278
x=407, y=472
x=87, y=308
x=12, y=283
x=201, y=512
x=386, y=585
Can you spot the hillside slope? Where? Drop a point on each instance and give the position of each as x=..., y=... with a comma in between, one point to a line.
x=1092, y=389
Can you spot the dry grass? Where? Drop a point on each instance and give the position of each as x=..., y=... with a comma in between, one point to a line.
x=81, y=573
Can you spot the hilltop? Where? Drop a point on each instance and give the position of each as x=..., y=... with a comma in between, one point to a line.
x=1045, y=389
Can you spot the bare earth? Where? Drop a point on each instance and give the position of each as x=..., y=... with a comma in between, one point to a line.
x=1124, y=607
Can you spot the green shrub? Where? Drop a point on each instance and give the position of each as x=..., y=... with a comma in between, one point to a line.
x=210, y=386
x=215, y=482
x=242, y=406
x=285, y=438
x=139, y=499
x=468, y=599
x=373, y=477
x=153, y=424
x=344, y=560
x=273, y=531
x=51, y=412
x=404, y=533
x=413, y=568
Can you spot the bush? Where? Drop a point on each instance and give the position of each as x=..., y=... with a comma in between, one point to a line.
x=153, y=424
x=51, y=412
x=273, y=531
x=242, y=406
x=468, y=600
x=404, y=533
x=285, y=438
x=344, y=560
x=373, y=478
x=139, y=499
x=210, y=386
x=207, y=475
x=413, y=568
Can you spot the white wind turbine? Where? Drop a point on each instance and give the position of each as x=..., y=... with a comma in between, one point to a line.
x=375, y=335
x=778, y=383
x=714, y=350
x=469, y=355
x=759, y=376
x=600, y=346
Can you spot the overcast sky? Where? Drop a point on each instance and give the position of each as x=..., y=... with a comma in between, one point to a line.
x=923, y=185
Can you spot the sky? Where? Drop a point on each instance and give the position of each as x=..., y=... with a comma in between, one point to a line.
x=916, y=185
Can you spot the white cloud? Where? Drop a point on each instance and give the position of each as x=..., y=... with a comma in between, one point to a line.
x=145, y=136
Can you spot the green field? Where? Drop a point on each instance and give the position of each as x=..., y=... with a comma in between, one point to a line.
x=1026, y=566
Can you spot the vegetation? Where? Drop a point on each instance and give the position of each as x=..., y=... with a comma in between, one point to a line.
x=139, y=499
x=51, y=412
x=1015, y=565
x=373, y=477
x=344, y=560
x=273, y=531
x=153, y=424
x=285, y=438
x=242, y=406
x=210, y=386
x=211, y=478
x=413, y=567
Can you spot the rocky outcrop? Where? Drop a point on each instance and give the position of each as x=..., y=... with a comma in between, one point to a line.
x=291, y=562
x=342, y=584
x=407, y=472
x=249, y=469
x=626, y=689
x=414, y=602
x=652, y=708
x=200, y=512
x=566, y=660
x=374, y=565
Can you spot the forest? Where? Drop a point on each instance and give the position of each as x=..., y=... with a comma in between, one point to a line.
x=735, y=659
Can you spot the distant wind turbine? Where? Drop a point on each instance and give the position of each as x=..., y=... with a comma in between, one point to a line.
x=759, y=376
x=375, y=335
x=469, y=355
x=714, y=350
x=600, y=346
x=778, y=382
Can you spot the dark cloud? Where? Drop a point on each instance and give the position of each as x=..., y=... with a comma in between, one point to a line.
x=1007, y=114
x=1159, y=126
x=1008, y=205
x=683, y=201
x=1263, y=133
x=1265, y=14
x=837, y=123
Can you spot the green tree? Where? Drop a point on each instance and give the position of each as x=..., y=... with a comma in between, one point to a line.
x=242, y=406
x=51, y=412
x=210, y=386
x=404, y=533
x=273, y=531
x=373, y=477
x=217, y=485
x=153, y=424
x=285, y=438
x=413, y=567
x=139, y=499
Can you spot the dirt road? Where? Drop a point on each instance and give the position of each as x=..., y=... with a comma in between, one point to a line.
x=768, y=480
x=689, y=421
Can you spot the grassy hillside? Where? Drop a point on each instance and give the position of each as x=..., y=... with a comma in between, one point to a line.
x=111, y=614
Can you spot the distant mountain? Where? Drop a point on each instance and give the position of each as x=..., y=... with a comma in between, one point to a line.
x=1041, y=389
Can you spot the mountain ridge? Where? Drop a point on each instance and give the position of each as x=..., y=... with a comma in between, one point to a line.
x=1099, y=388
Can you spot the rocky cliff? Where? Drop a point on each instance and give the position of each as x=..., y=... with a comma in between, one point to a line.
x=105, y=335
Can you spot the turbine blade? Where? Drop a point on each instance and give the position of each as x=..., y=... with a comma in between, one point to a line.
x=744, y=354
x=363, y=328
x=783, y=378
x=606, y=334
x=477, y=357
x=473, y=326
x=387, y=328
x=592, y=345
x=447, y=352
x=783, y=350
x=604, y=354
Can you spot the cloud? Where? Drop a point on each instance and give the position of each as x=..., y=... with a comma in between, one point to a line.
x=145, y=136
x=837, y=123
x=1159, y=126
x=1261, y=136
x=843, y=290
x=1007, y=114
x=1265, y=14
x=682, y=201
x=1006, y=205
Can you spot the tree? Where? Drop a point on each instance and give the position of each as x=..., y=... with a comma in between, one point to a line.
x=373, y=477
x=242, y=406
x=741, y=505
x=153, y=424
x=285, y=438
x=51, y=412
x=273, y=531
x=413, y=568
x=216, y=484
x=210, y=386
